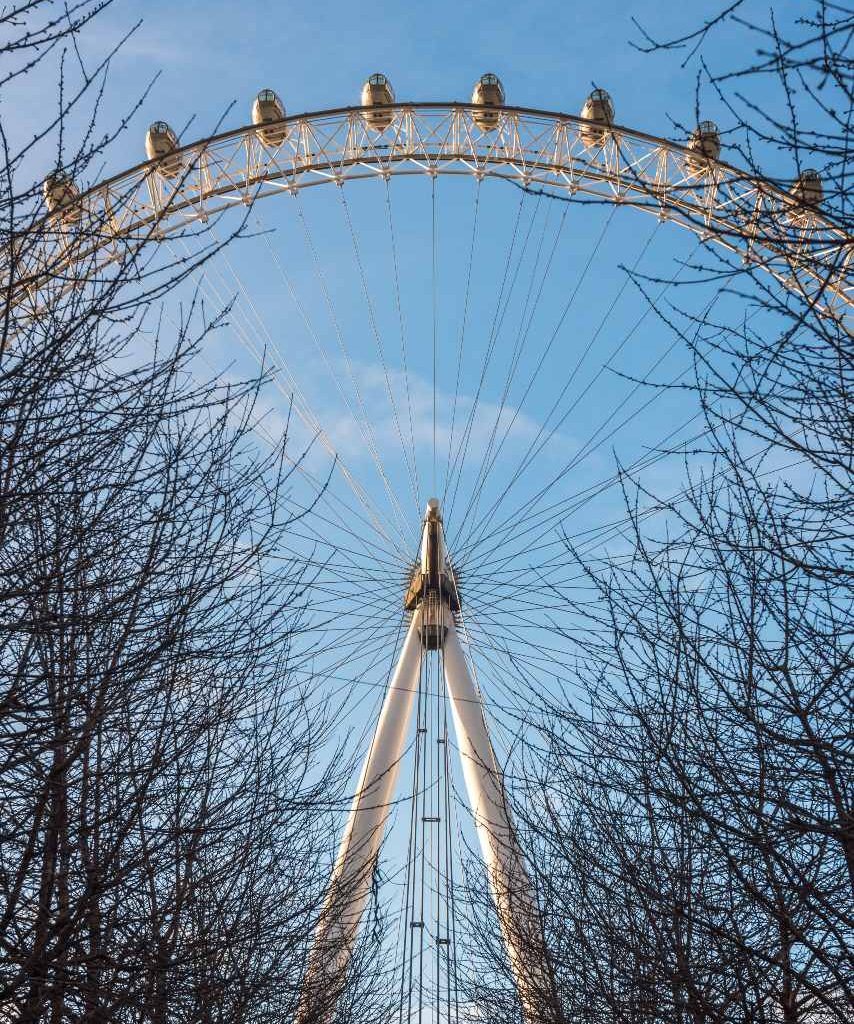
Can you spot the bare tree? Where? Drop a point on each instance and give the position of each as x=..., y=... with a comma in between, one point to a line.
x=164, y=809
x=692, y=823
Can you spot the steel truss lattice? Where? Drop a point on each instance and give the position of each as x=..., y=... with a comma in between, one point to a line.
x=803, y=248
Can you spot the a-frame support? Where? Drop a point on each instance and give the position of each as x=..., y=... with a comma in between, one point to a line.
x=432, y=597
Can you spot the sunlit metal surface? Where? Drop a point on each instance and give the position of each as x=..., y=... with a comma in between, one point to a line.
x=762, y=222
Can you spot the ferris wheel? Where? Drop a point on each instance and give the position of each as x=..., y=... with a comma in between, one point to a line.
x=437, y=523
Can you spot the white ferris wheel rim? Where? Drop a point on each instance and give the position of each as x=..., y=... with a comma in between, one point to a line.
x=800, y=246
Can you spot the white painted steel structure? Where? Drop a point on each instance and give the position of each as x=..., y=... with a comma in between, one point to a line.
x=515, y=903
x=349, y=889
x=350, y=885
x=762, y=222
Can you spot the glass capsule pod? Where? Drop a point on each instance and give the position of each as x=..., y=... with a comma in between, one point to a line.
x=808, y=190
x=598, y=110
x=266, y=111
x=703, y=146
x=160, y=144
x=377, y=92
x=488, y=92
x=60, y=197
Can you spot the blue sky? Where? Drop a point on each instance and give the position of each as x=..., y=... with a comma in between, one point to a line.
x=549, y=55
x=208, y=55
x=317, y=56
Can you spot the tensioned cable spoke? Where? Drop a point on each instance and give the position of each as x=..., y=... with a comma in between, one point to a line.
x=403, y=354
x=660, y=450
x=541, y=362
x=515, y=704
x=363, y=421
x=542, y=523
x=474, y=496
x=548, y=347
x=380, y=349
x=462, y=338
x=499, y=317
x=295, y=397
x=521, y=338
x=459, y=456
x=547, y=517
x=435, y=304
x=544, y=435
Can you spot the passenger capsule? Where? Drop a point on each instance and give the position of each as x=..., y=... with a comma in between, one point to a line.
x=807, y=190
x=599, y=109
x=160, y=144
x=60, y=197
x=488, y=92
x=377, y=92
x=267, y=110
x=703, y=146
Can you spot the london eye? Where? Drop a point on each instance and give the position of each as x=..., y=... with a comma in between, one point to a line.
x=462, y=332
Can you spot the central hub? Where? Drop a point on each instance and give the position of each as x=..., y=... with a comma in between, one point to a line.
x=433, y=587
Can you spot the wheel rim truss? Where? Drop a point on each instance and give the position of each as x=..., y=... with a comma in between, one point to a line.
x=802, y=248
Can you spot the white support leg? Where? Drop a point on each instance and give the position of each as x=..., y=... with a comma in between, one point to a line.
x=433, y=597
x=350, y=885
x=518, y=915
